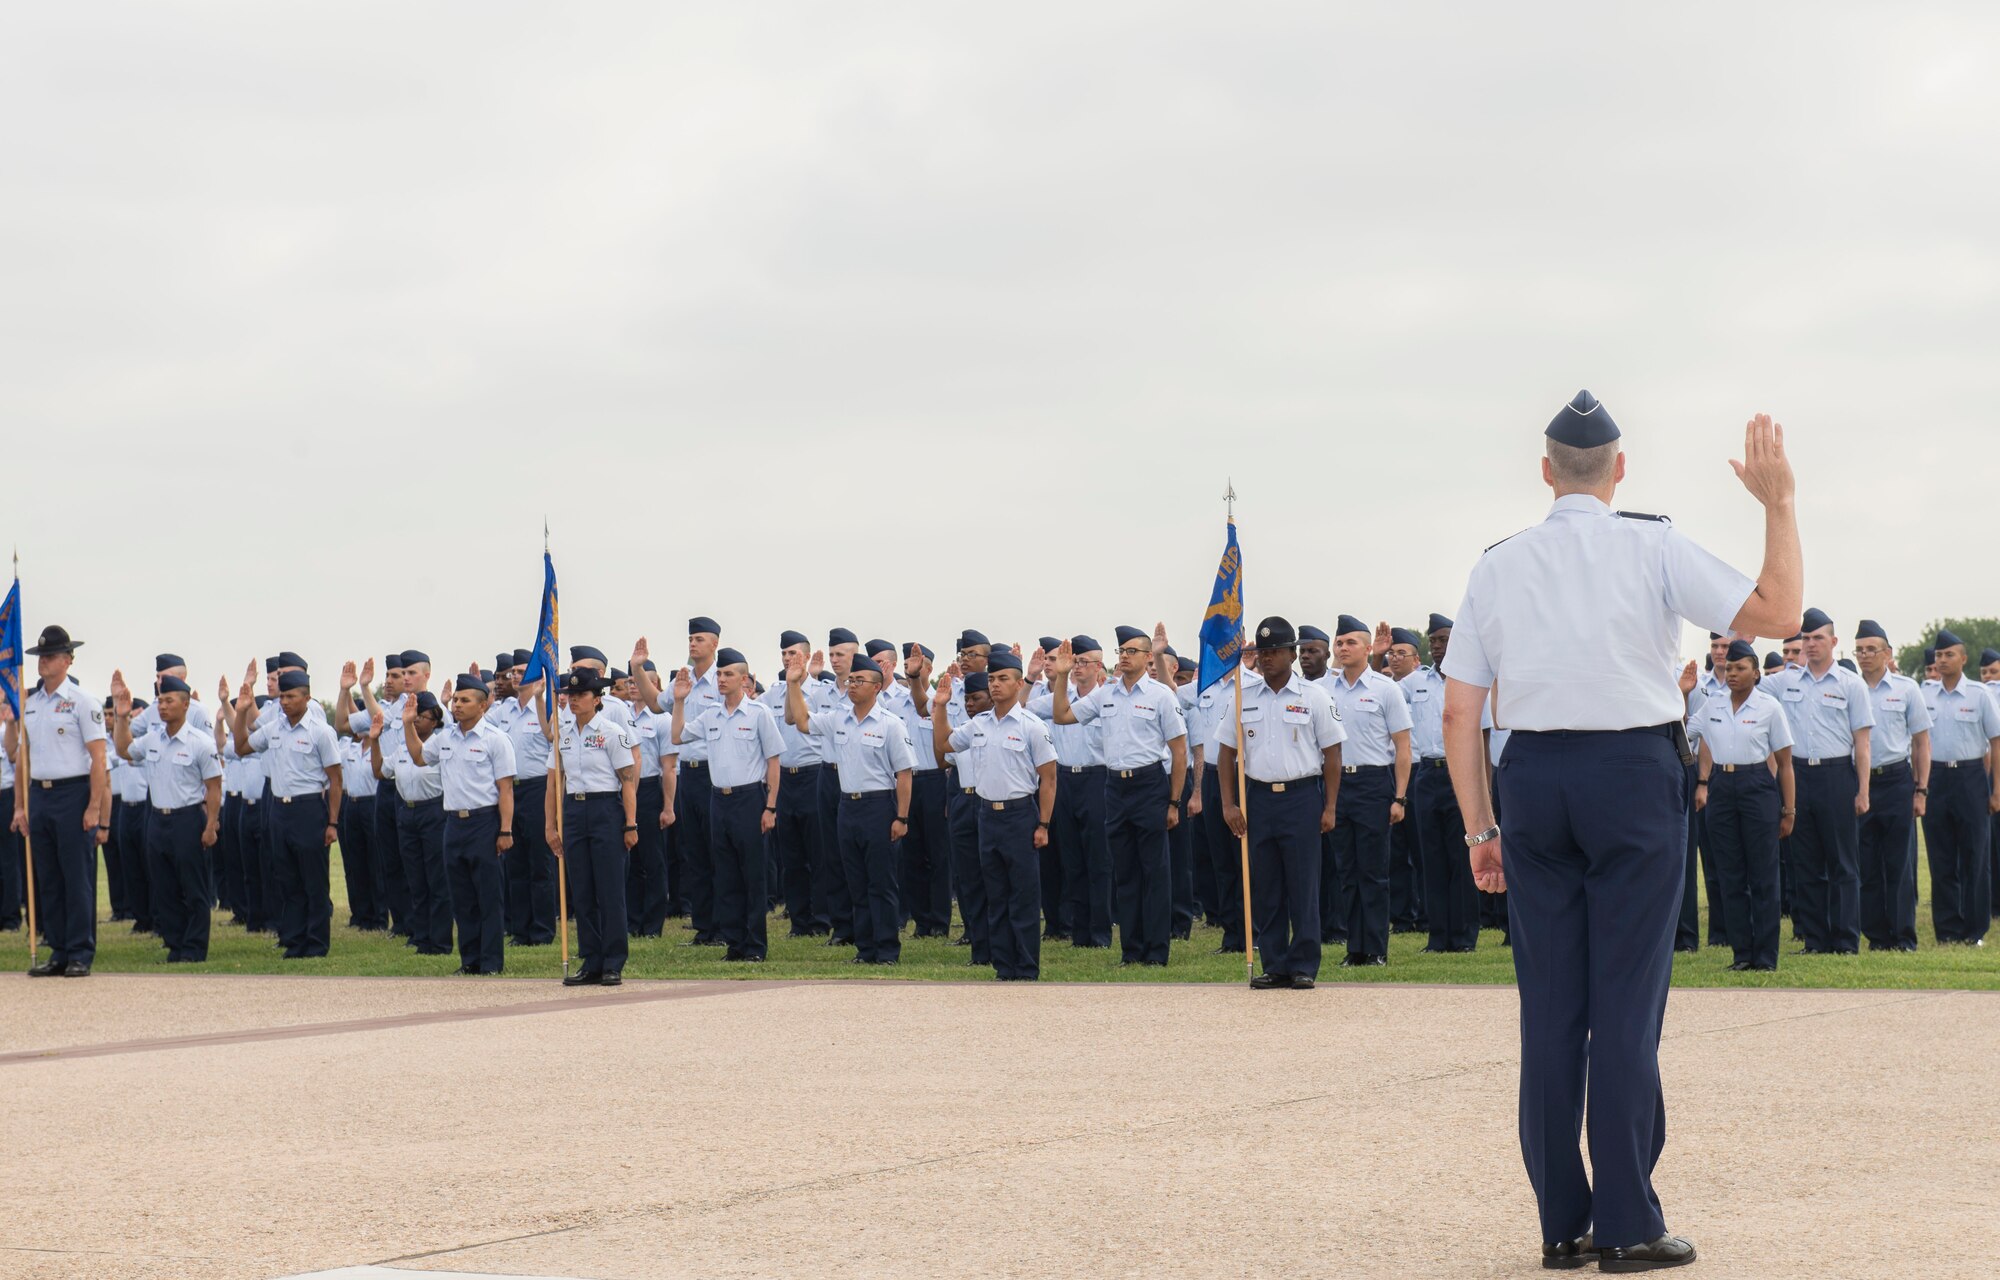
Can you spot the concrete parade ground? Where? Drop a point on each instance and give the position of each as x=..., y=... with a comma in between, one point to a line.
x=250, y=1127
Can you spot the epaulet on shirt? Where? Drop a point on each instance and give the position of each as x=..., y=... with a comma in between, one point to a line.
x=1517, y=533
x=1640, y=515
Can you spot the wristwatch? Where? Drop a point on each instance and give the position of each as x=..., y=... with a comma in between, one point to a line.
x=770, y=808
x=1701, y=782
x=508, y=834
x=1491, y=833
x=1041, y=824
x=1401, y=800
x=1788, y=813
x=1923, y=791
x=903, y=818
x=631, y=828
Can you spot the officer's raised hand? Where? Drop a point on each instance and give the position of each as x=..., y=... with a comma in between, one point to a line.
x=1064, y=660
x=410, y=709
x=247, y=695
x=1764, y=470
x=121, y=696
x=1382, y=640
x=640, y=652
x=1688, y=678
x=368, y=672
x=1159, y=636
x=683, y=686
x=222, y=691
x=1037, y=661
x=348, y=679
x=795, y=669
x=375, y=723
x=817, y=665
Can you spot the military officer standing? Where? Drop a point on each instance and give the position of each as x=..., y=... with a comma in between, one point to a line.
x=1744, y=785
x=1451, y=903
x=1402, y=660
x=796, y=830
x=1898, y=786
x=475, y=763
x=1291, y=764
x=184, y=790
x=646, y=888
x=924, y=877
x=600, y=825
x=1574, y=626
x=1831, y=713
x=420, y=825
x=62, y=804
x=1964, y=794
x=1077, y=832
x=962, y=813
x=743, y=747
x=694, y=839
x=1142, y=729
x=1374, y=789
x=521, y=712
x=303, y=761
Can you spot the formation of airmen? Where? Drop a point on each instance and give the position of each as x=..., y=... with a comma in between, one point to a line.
x=1059, y=796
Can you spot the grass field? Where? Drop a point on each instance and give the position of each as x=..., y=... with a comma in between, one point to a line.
x=231, y=950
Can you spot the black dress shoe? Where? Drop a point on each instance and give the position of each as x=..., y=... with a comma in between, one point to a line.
x=1568, y=1255
x=1667, y=1251
x=468, y=969
x=1271, y=982
x=46, y=969
x=1301, y=983
x=1760, y=968
x=961, y=941
x=77, y=969
x=1739, y=966
x=611, y=980
x=582, y=979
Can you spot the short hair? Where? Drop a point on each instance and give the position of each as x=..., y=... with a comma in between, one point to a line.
x=1575, y=468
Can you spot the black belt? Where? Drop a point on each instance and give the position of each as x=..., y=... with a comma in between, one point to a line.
x=235, y=795
x=1291, y=784
x=302, y=799
x=1880, y=770
x=1083, y=768
x=418, y=804
x=925, y=773
x=730, y=791
x=793, y=770
x=50, y=784
x=968, y=791
x=1973, y=763
x=595, y=795
x=1732, y=768
x=1363, y=768
x=869, y=795
x=1660, y=730
x=134, y=804
x=539, y=780
x=1428, y=763
x=694, y=764
x=1139, y=772
x=1822, y=761
x=168, y=813
x=999, y=806
x=480, y=812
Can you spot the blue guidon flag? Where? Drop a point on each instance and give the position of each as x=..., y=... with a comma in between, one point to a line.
x=546, y=662
x=1222, y=625
x=10, y=649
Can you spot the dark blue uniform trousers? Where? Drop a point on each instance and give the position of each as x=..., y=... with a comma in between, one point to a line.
x=1451, y=901
x=1285, y=861
x=114, y=860
x=274, y=879
x=250, y=850
x=796, y=837
x=229, y=855
x=694, y=837
x=531, y=868
x=868, y=862
x=13, y=874
x=478, y=886
x=180, y=880
x=357, y=861
x=1135, y=826
x=829, y=877
x=1077, y=830
x=420, y=827
x=1361, y=846
x=1180, y=857
x=1742, y=821
x=961, y=809
x=742, y=898
x=1332, y=894
x=1058, y=921
x=65, y=868
x=305, y=919
x=1406, y=876
x=388, y=854
x=1701, y=860
x=593, y=834
x=923, y=870
x=1826, y=856
x=1225, y=860
x=1593, y=832
x=646, y=872
x=130, y=833
x=1888, y=859
x=1956, y=833
x=1009, y=864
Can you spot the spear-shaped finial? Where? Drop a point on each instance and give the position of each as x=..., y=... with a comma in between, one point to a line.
x=545, y=535
x=1229, y=500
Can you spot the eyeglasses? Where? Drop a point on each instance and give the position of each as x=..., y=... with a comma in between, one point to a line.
x=1126, y=651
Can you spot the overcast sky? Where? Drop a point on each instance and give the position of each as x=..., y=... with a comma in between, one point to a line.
x=909, y=318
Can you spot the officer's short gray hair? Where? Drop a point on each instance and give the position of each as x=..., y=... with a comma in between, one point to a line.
x=1575, y=468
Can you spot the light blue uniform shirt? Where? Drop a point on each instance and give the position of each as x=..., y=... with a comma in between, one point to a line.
x=1578, y=619
x=1372, y=710
x=296, y=756
x=801, y=749
x=1000, y=756
x=149, y=719
x=127, y=780
x=1964, y=721
x=1900, y=715
x=1423, y=690
x=177, y=766
x=651, y=730
x=249, y=771
x=701, y=697
x=1704, y=689
x=1286, y=731
x=923, y=752
x=592, y=754
x=1748, y=734
x=357, y=772
x=518, y=721
x=473, y=765
x=61, y=726
x=1826, y=710
x=739, y=742
x=1137, y=723
x=868, y=750
x=415, y=781
x=1078, y=746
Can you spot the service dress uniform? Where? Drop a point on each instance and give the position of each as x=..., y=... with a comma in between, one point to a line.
x=593, y=836
x=1212, y=722
x=869, y=752
x=1828, y=710
x=358, y=788
x=13, y=870
x=796, y=831
x=60, y=726
x=1077, y=830
x=1138, y=722
x=1744, y=812
x=177, y=767
x=691, y=853
x=923, y=874
x=1286, y=733
x=128, y=846
x=530, y=865
x=1700, y=857
x=1888, y=843
x=961, y=808
x=829, y=879
x=297, y=757
x=1001, y=756
x=1372, y=712
x=1575, y=625
x=739, y=743
x=646, y=890
x=253, y=859
x=1451, y=900
x=1964, y=721
x=420, y=833
x=472, y=766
